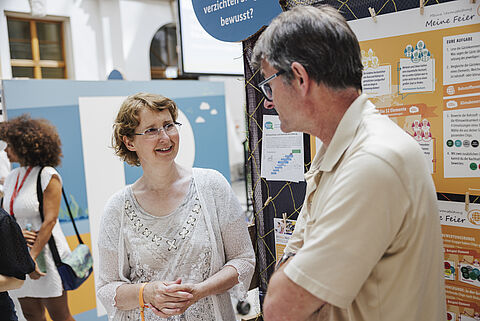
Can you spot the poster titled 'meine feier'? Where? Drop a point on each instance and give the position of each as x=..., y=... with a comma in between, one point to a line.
x=234, y=20
x=425, y=75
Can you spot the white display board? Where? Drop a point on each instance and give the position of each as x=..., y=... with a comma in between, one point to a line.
x=200, y=53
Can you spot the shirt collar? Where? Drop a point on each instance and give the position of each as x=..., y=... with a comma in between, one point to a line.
x=327, y=158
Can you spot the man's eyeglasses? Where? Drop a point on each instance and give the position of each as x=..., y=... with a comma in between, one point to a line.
x=265, y=87
x=169, y=129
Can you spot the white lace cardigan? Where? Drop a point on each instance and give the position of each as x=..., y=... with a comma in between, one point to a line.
x=226, y=225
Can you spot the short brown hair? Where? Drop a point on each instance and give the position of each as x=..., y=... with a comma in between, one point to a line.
x=127, y=120
x=34, y=141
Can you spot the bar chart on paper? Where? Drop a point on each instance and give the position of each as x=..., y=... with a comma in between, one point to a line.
x=282, y=153
x=284, y=161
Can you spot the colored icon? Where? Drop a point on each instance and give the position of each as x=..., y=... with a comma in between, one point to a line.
x=473, y=166
x=458, y=143
x=449, y=143
x=474, y=143
x=420, y=44
x=408, y=51
x=269, y=125
x=450, y=90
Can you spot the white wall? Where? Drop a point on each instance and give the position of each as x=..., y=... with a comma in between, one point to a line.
x=100, y=35
x=140, y=21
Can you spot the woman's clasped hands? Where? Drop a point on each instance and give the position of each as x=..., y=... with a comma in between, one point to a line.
x=170, y=298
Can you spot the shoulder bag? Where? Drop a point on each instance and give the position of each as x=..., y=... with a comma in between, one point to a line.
x=77, y=267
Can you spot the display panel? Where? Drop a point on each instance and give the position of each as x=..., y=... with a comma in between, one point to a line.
x=202, y=54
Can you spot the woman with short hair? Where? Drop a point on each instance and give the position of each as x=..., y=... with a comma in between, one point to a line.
x=176, y=240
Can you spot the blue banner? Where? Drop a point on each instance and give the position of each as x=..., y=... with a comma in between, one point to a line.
x=235, y=20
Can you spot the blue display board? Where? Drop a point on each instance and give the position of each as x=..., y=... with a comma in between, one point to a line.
x=83, y=112
x=57, y=101
x=235, y=20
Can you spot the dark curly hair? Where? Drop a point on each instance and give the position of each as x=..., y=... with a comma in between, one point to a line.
x=34, y=141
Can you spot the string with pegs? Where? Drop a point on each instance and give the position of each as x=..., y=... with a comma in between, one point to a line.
x=267, y=201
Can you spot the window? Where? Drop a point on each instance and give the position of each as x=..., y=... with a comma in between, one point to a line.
x=163, y=51
x=36, y=48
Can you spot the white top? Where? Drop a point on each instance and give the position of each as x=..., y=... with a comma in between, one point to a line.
x=206, y=232
x=4, y=166
x=26, y=211
x=368, y=238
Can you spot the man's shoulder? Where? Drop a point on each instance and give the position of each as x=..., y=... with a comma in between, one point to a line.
x=381, y=137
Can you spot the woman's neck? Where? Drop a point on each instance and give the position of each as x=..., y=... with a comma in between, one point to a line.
x=155, y=178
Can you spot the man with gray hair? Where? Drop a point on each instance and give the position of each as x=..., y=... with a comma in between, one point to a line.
x=367, y=242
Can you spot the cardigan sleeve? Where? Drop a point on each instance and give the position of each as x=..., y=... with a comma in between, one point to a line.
x=111, y=256
x=236, y=239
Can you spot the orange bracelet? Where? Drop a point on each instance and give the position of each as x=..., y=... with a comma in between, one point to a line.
x=141, y=303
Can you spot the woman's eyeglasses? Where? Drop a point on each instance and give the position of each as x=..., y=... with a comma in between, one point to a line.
x=169, y=129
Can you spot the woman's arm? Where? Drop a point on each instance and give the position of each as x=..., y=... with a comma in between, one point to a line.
x=218, y=283
x=8, y=283
x=51, y=206
x=237, y=244
x=114, y=290
x=174, y=298
x=165, y=299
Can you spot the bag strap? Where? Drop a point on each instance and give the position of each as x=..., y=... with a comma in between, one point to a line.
x=51, y=241
x=71, y=217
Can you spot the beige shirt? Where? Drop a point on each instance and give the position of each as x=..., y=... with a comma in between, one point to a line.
x=368, y=238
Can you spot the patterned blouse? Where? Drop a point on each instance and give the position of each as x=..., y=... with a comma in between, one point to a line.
x=178, y=245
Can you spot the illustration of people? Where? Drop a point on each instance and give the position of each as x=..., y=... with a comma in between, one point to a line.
x=425, y=126
x=417, y=130
x=476, y=262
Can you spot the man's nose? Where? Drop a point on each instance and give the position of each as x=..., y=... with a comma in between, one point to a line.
x=268, y=104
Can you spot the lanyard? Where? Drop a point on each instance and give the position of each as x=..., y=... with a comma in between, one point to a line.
x=16, y=190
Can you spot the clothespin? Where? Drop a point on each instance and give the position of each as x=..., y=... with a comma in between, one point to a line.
x=472, y=1
x=373, y=14
x=284, y=218
x=467, y=197
x=267, y=201
x=422, y=6
x=467, y=201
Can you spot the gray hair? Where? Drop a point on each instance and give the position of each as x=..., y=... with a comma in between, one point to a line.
x=318, y=38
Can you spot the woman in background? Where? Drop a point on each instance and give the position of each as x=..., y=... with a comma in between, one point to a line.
x=176, y=240
x=34, y=143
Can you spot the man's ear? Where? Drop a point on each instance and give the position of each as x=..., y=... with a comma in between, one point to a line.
x=128, y=143
x=301, y=77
